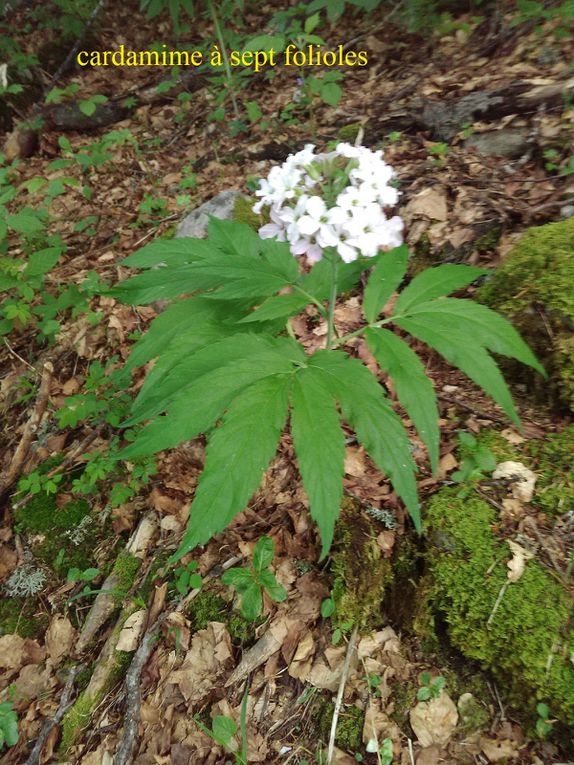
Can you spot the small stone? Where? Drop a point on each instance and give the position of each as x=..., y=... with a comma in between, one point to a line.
x=221, y=206
x=510, y=143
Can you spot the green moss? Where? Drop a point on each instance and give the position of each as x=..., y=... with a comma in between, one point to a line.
x=349, y=735
x=553, y=462
x=41, y=514
x=422, y=256
x=125, y=569
x=349, y=132
x=243, y=213
x=404, y=697
x=468, y=571
x=210, y=607
x=489, y=240
x=76, y=719
x=534, y=288
x=20, y=617
x=502, y=449
x=360, y=573
x=206, y=607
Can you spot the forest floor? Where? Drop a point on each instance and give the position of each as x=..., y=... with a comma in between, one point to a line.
x=198, y=652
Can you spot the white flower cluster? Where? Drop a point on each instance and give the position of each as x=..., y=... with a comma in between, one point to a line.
x=354, y=223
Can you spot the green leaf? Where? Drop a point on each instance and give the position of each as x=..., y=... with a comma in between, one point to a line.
x=170, y=251
x=25, y=222
x=320, y=448
x=480, y=325
x=251, y=602
x=223, y=728
x=263, y=553
x=232, y=237
x=385, y=278
x=255, y=356
x=276, y=591
x=327, y=608
x=471, y=359
x=240, y=578
x=434, y=282
x=276, y=307
x=238, y=453
x=377, y=426
x=42, y=261
x=413, y=387
x=266, y=42
x=331, y=93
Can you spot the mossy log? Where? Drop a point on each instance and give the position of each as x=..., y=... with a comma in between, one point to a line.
x=533, y=287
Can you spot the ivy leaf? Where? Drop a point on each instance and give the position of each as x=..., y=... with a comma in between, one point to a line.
x=385, y=278
x=435, y=282
x=237, y=454
x=413, y=387
x=471, y=359
x=320, y=449
x=378, y=428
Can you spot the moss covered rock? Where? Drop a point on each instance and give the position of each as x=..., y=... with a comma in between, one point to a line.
x=533, y=288
x=528, y=641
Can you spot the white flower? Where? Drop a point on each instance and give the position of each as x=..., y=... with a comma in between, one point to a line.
x=354, y=223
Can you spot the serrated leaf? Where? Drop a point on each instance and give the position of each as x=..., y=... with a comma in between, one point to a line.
x=479, y=324
x=276, y=591
x=42, y=261
x=163, y=283
x=414, y=389
x=279, y=256
x=232, y=237
x=276, y=307
x=378, y=428
x=470, y=358
x=263, y=553
x=385, y=278
x=318, y=281
x=262, y=355
x=435, y=282
x=238, y=453
x=170, y=251
x=320, y=448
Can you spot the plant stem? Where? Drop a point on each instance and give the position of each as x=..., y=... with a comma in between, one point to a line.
x=360, y=331
x=228, y=75
x=332, y=300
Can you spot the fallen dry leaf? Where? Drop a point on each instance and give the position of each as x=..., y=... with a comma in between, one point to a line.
x=209, y=655
x=60, y=636
x=434, y=721
x=131, y=631
x=523, y=479
x=496, y=749
x=517, y=563
x=12, y=651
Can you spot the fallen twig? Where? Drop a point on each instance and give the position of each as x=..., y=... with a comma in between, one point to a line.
x=65, y=703
x=30, y=429
x=340, y=692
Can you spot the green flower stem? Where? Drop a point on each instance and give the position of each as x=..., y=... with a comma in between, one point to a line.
x=333, y=299
x=317, y=303
x=357, y=332
x=228, y=74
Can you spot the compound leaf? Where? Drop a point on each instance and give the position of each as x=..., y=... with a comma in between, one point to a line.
x=413, y=387
x=238, y=453
x=435, y=282
x=385, y=278
x=320, y=449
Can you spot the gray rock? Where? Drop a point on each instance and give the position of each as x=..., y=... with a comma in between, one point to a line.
x=510, y=143
x=220, y=206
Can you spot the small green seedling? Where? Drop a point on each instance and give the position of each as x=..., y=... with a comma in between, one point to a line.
x=375, y=685
x=439, y=152
x=327, y=608
x=76, y=575
x=8, y=725
x=187, y=578
x=431, y=687
x=544, y=723
x=250, y=582
x=223, y=730
x=385, y=753
x=477, y=459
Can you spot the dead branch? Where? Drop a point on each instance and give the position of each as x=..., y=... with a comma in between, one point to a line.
x=65, y=703
x=30, y=429
x=340, y=692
